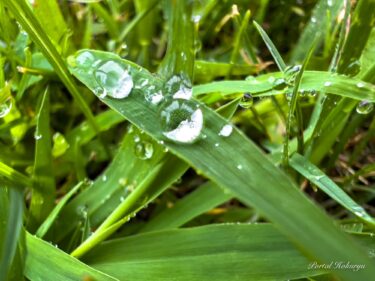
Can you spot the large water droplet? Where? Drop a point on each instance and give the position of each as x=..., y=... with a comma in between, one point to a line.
x=226, y=131
x=181, y=120
x=114, y=79
x=5, y=108
x=364, y=107
x=143, y=150
x=247, y=101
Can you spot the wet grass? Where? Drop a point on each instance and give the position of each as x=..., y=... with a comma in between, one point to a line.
x=187, y=140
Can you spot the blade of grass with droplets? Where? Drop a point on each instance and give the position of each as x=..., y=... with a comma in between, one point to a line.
x=24, y=15
x=289, y=209
x=43, y=197
x=47, y=223
x=45, y=262
x=317, y=177
x=203, y=199
x=262, y=86
x=271, y=47
x=11, y=211
x=225, y=251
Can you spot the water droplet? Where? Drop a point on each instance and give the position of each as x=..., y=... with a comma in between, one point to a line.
x=279, y=84
x=104, y=178
x=5, y=108
x=217, y=144
x=226, y=131
x=144, y=150
x=327, y=83
x=247, y=101
x=114, y=79
x=329, y=3
x=179, y=87
x=353, y=68
x=271, y=79
x=239, y=167
x=181, y=120
x=364, y=107
x=123, y=181
x=37, y=136
x=136, y=138
x=313, y=19
x=360, y=84
x=290, y=73
x=154, y=97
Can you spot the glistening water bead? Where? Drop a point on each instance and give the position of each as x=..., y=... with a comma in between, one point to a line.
x=143, y=150
x=290, y=74
x=247, y=101
x=364, y=107
x=181, y=120
x=5, y=108
x=114, y=80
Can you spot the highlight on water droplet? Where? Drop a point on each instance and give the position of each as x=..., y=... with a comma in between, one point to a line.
x=226, y=131
x=37, y=136
x=364, y=107
x=239, y=167
x=353, y=68
x=144, y=150
x=327, y=83
x=114, y=79
x=154, y=97
x=5, y=107
x=181, y=120
x=360, y=84
x=290, y=74
x=247, y=101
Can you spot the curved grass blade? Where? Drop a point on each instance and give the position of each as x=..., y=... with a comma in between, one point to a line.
x=248, y=173
x=9, y=174
x=45, y=262
x=201, y=200
x=225, y=251
x=317, y=177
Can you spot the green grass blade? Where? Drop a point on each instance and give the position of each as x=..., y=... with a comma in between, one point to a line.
x=11, y=211
x=43, y=196
x=45, y=262
x=9, y=174
x=225, y=251
x=42, y=230
x=288, y=208
x=271, y=47
x=201, y=200
x=24, y=15
x=317, y=177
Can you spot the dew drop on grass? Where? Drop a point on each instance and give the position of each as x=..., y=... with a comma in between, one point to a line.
x=290, y=74
x=364, y=107
x=37, y=136
x=181, y=120
x=179, y=87
x=360, y=84
x=143, y=150
x=279, y=84
x=327, y=83
x=226, y=131
x=154, y=97
x=239, y=167
x=5, y=108
x=353, y=68
x=247, y=100
x=114, y=80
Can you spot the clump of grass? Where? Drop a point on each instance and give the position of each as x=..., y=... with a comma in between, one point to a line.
x=186, y=140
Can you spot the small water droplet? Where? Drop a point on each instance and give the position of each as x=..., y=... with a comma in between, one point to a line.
x=181, y=120
x=247, y=101
x=144, y=150
x=313, y=19
x=37, y=136
x=5, y=108
x=104, y=178
x=360, y=84
x=364, y=107
x=327, y=83
x=353, y=68
x=114, y=79
x=271, y=79
x=226, y=131
x=279, y=84
x=154, y=97
x=179, y=87
x=217, y=144
x=239, y=167
x=290, y=74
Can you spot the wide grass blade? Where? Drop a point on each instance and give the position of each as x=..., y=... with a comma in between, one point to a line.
x=45, y=262
x=268, y=189
x=226, y=252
